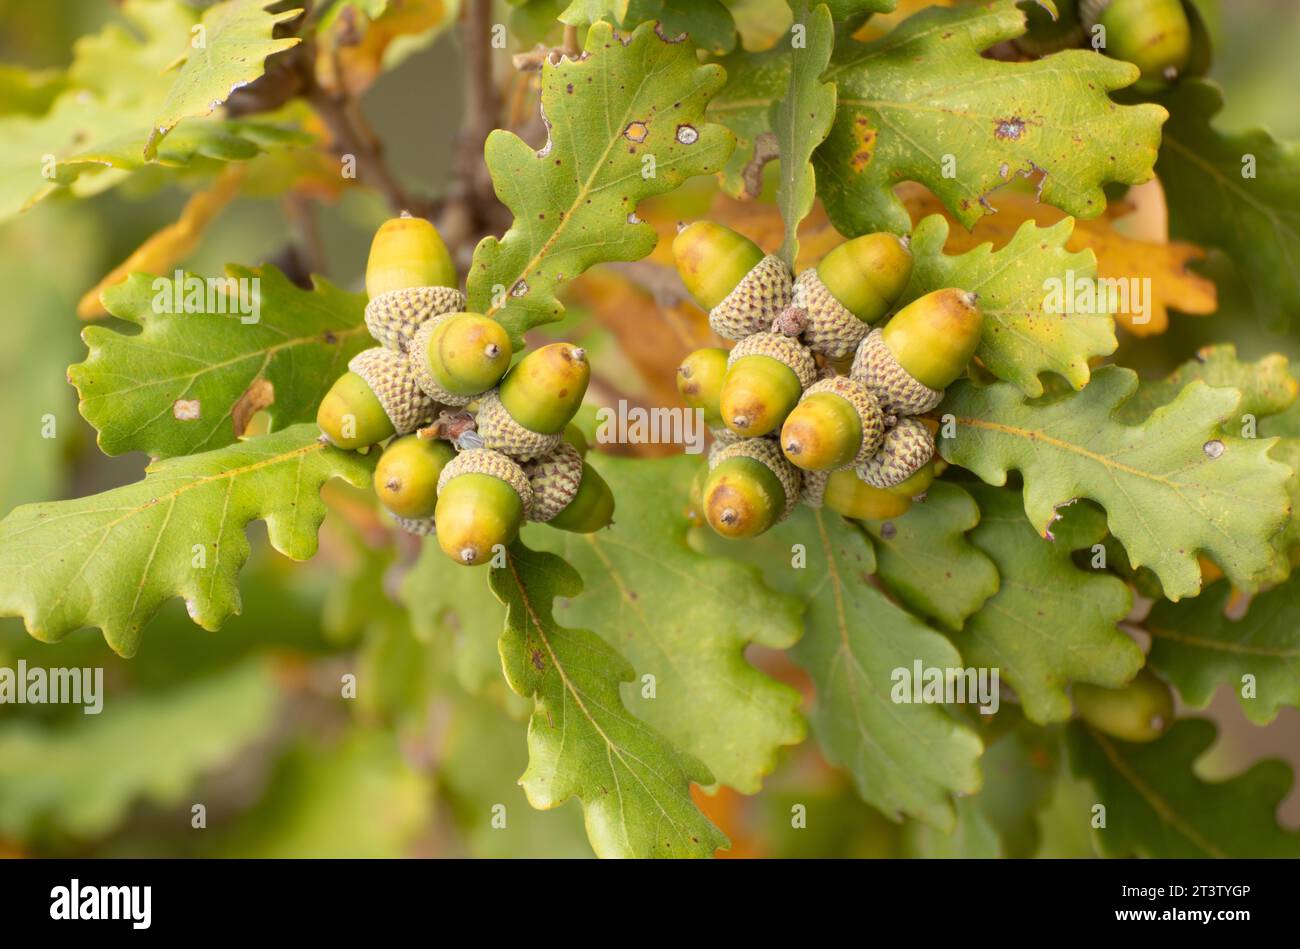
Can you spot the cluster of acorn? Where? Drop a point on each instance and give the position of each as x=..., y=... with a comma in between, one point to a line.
x=477, y=447
x=1165, y=39
x=813, y=403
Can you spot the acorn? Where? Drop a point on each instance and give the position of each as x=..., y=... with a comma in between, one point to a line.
x=1154, y=35
x=406, y=476
x=728, y=275
x=483, y=498
x=695, y=496
x=575, y=437
x=459, y=356
x=750, y=487
x=410, y=279
x=845, y=493
x=853, y=286
x=906, y=448
x=699, y=380
x=407, y=252
x=916, y=484
x=837, y=423
x=568, y=493
x=1139, y=711
x=919, y=352
x=377, y=398
x=525, y=415
x=766, y=375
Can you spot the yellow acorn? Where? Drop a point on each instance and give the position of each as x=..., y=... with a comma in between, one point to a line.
x=728, y=275
x=766, y=375
x=853, y=286
x=406, y=476
x=483, y=499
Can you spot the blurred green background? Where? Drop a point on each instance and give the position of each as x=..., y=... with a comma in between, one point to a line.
x=250, y=722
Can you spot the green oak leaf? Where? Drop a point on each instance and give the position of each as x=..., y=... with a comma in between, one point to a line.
x=81, y=776
x=1021, y=339
x=1197, y=648
x=801, y=121
x=582, y=741
x=1286, y=427
x=854, y=12
x=755, y=83
x=1156, y=806
x=1172, y=487
x=627, y=100
x=228, y=52
x=353, y=798
x=904, y=758
x=289, y=351
x=929, y=563
x=1050, y=623
x=686, y=619
x=923, y=94
x=93, y=135
x=1021, y=769
x=111, y=560
x=1212, y=202
x=1266, y=386
x=973, y=837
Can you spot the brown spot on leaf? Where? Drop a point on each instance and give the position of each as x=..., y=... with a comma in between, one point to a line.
x=864, y=137
x=1009, y=129
x=636, y=131
x=259, y=394
x=186, y=410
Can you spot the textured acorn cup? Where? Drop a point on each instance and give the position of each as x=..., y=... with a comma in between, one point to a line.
x=699, y=380
x=836, y=423
x=868, y=273
x=712, y=260
x=408, y=252
x=395, y=317
x=1139, y=711
x=542, y=393
x=1154, y=35
x=467, y=353
x=406, y=476
x=917, y=483
x=766, y=375
x=592, y=509
x=847, y=494
x=376, y=398
x=904, y=451
x=749, y=488
x=934, y=337
x=483, y=498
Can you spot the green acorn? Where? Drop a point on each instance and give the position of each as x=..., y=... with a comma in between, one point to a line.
x=574, y=436
x=407, y=252
x=1154, y=35
x=926, y=345
x=750, y=487
x=568, y=493
x=728, y=275
x=699, y=380
x=1139, y=711
x=906, y=448
x=459, y=356
x=845, y=493
x=410, y=279
x=916, y=484
x=836, y=423
x=406, y=476
x=766, y=375
x=536, y=400
x=853, y=286
x=483, y=498
x=377, y=398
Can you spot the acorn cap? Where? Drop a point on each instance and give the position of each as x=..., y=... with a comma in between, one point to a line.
x=831, y=329
x=893, y=386
x=421, y=527
x=906, y=447
x=487, y=462
x=555, y=479
x=813, y=487
x=864, y=403
x=389, y=375
x=394, y=317
x=500, y=432
x=768, y=453
x=755, y=302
